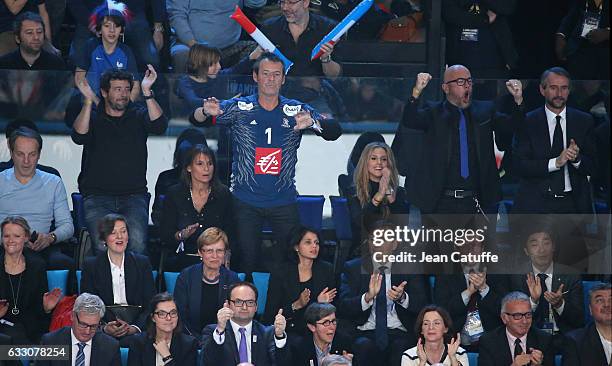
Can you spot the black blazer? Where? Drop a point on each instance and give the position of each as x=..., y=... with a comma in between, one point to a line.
x=188, y=295
x=447, y=293
x=531, y=153
x=583, y=347
x=104, y=348
x=573, y=310
x=30, y=300
x=494, y=349
x=263, y=348
x=302, y=353
x=139, y=289
x=284, y=289
x=354, y=284
x=426, y=184
x=183, y=348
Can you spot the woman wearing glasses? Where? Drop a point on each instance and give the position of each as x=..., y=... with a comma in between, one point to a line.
x=25, y=304
x=163, y=343
x=302, y=280
x=201, y=289
x=119, y=277
x=437, y=345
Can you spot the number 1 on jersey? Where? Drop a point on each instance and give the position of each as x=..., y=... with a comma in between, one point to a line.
x=268, y=132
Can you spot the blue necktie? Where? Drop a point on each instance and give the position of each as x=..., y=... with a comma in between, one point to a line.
x=463, y=146
x=382, y=338
x=242, y=350
x=80, y=357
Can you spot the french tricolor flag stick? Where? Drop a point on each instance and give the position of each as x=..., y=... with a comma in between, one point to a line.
x=259, y=37
x=342, y=27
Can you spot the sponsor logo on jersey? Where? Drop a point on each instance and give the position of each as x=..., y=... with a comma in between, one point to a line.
x=285, y=123
x=244, y=106
x=98, y=58
x=253, y=122
x=291, y=110
x=119, y=65
x=268, y=160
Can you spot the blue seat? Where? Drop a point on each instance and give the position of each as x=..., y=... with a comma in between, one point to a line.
x=79, y=211
x=241, y=276
x=170, y=279
x=25, y=362
x=261, y=280
x=78, y=276
x=154, y=272
x=311, y=211
x=58, y=278
x=124, y=355
x=473, y=358
x=586, y=287
x=341, y=218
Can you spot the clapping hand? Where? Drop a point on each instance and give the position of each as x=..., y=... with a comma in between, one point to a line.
x=303, y=120
x=373, y=287
x=395, y=293
x=535, y=288
x=327, y=295
x=555, y=298
x=303, y=300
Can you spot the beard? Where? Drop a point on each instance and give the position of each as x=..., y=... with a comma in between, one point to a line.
x=118, y=105
x=557, y=102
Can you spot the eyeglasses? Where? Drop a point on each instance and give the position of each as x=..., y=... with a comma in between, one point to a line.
x=288, y=2
x=240, y=303
x=461, y=81
x=165, y=315
x=519, y=316
x=434, y=324
x=92, y=327
x=328, y=322
x=213, y=251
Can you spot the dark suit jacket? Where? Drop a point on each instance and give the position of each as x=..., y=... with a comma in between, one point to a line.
x=139, y=289
x=573, y=310
x=426, y=185
x=302, y=353
x=583, y=347
x=495, y=351
x=531, y=154
x=447, y=293
x=284, y=289
x=188, y=295
x=104, y=348
x=263, y=348
x=183, y=348
x=354, y=284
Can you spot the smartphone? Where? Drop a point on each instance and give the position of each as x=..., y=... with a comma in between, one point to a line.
x=33, y=236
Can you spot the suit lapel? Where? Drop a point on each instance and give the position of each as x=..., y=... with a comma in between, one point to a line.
x=232, y=343
x=106, y=285
x=503, y=345
x=131, y=278
x=256, y=339
x=196, y=293
x=150, y=353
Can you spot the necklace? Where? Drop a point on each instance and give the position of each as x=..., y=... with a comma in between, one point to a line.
x=15, y=309
x=191, y=196
x=210, y=281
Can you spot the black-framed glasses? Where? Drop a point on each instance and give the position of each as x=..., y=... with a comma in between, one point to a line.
x=240, y=303
x=165, y=314
x=288, y=2
x=461, y=81
x=519, y=316
x=328, y=322
x=92, y=327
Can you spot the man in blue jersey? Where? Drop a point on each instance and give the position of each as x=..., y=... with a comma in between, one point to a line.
x=266, y=133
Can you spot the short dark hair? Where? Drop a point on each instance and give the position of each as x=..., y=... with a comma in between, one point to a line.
x=115, y=74
x=317, y=311
x=295, y=237
x=19, y=122
x=599, y=287
x=117, y=19
x=240, y=284
x=557, y=70
x=266, y=56
x=26, y=133
x=28, y=15
x=184, y=141
x=446, y=318
x=106, y=225
x=200, y=58
x=161, y=297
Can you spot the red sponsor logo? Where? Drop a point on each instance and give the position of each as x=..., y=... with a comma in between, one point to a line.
x=268, y=160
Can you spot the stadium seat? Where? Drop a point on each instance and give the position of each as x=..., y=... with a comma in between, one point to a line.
x=341, y=218
x=473, y=358
x=79, y=212
x=311, y=211
x=170, y=279
x=261, y=280
x=154, y=272
x=586, y=287
x=58, y=278
x=124, y=355
x=558, y=360
x=241, y=276
x=78, y=276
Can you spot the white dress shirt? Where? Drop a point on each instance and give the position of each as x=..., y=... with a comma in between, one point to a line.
x=549, y=281
x=235, y=327
x=512, y=339
x=75, y=349
x=393, y=321
x=607, y=346
x=552, y=123
x=118, y=276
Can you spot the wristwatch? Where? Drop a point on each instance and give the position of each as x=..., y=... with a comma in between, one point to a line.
x=150, y=96
x=53, y=237
x=326, y=59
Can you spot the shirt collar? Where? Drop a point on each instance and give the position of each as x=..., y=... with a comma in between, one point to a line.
x=309, y=26
x=550, y=115
x=74, y=341
x=113, y=265
x=322, y=352
x=548, y=271
x=236, y=326
x=513, y=338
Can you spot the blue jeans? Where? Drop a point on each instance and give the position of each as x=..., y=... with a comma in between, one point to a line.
x=249, y=223
x=135, y=208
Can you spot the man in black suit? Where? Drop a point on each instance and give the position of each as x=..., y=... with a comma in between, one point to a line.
x=89, y=347
x=516, y=343
x=383, y=300
x=592, y=344
x=225, y=343
x=321, y=321
x=554, y=153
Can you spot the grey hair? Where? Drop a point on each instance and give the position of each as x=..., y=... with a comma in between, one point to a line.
x=335, y=360
x=89, y=304
x=513, y=296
